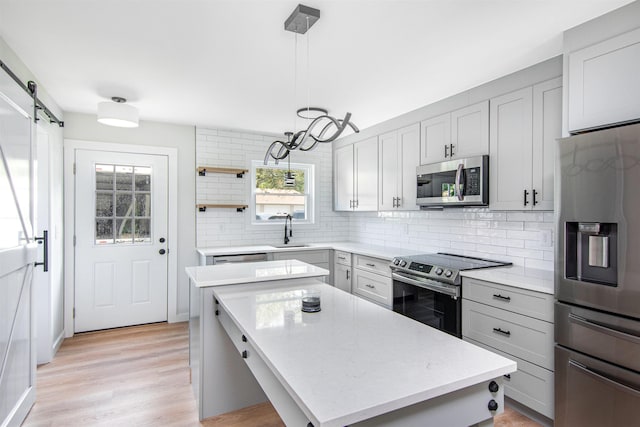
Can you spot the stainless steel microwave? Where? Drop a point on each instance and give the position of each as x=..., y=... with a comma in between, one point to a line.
x=460, y=182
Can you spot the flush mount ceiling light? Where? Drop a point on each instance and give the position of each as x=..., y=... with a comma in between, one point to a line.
x=117, y=113
x=323, y=127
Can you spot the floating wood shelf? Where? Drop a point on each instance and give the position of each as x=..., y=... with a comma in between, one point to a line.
x=203, y=207
x=202, y=171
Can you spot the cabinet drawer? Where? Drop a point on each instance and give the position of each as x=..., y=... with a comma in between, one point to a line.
x=368, y=263
x=525, y=337
x=522, y=301
x=310, y=257
x=343, y=258
x=372, y=286
x=530, y=385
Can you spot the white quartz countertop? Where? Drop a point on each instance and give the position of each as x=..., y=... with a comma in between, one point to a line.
x=383, y=252
x=516, y=276
x=353, y=360
x=251, y=272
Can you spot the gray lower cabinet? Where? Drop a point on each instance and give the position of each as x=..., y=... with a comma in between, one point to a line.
x=518, y=324
x=319, y=258
x=342, y=273
x=372, y=280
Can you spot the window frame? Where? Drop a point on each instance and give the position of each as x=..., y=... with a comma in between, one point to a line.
x=310, y=192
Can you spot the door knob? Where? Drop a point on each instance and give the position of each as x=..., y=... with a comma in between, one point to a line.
x=162, y=252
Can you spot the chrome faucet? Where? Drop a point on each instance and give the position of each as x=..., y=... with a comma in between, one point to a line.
x=290, y=220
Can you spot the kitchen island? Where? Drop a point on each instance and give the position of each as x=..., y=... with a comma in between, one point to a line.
x=352, y=363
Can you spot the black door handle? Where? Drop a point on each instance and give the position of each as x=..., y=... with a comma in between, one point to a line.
x=162, y=240
x=45, y=259
x=162, y=252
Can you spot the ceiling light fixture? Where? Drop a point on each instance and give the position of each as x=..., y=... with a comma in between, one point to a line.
x=117, y=113
x=323, y=127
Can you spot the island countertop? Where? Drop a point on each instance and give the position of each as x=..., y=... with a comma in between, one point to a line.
x=251, y=272
x=353, y=360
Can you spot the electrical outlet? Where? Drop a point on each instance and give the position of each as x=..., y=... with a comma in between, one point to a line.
x=546, y=240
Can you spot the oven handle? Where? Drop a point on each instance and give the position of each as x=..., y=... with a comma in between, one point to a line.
x=431, y=285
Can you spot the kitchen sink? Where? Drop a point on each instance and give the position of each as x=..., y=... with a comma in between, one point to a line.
x=290, y=246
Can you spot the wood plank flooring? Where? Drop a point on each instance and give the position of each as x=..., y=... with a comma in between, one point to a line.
x=139, y=376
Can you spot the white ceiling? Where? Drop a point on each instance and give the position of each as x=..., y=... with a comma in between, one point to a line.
x=230, y=63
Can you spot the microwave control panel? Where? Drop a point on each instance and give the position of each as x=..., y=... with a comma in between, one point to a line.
x=472, y=181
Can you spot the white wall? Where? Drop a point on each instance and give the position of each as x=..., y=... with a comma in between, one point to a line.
x=236, y=149
x=85, y=127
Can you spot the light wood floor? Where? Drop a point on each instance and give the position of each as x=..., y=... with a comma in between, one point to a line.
x=139, y=376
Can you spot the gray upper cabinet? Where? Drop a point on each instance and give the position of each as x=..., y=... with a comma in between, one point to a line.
x=523, y=128
x=356, y=176
x=604, y=87
x=460, y=133
x=398, y=158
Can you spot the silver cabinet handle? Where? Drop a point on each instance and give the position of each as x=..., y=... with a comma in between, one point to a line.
x=603, y=378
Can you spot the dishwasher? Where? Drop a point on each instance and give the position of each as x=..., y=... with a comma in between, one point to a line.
x=231, y=259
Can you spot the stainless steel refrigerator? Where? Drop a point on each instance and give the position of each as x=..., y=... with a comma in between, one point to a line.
x=597, y=279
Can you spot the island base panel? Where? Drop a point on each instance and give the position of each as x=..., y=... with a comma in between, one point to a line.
x=228, y=389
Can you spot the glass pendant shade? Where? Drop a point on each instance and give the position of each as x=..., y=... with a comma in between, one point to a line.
x=117, y=114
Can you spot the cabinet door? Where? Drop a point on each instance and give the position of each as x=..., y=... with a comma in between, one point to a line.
x=510, y=139
x=470, y=131
x=409, y=158
x=342, y=277
x=603, y=82
x=435, y=136
x=343, y=178
x=388, y=168
x=366, y=175
x=547, y=127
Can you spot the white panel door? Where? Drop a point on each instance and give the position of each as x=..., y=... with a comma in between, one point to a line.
x=409, y=159
x=470, y=131
x=121, y=239
x=388, y=171
x=547, y=128
x=17, y=257
x=510, y=140
x=343, y=178
x=366, y=177
x=435, y=139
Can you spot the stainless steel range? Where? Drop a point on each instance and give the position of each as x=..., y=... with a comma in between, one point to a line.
x=427, y=287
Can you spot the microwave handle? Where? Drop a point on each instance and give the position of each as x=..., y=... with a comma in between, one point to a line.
x=456, y=187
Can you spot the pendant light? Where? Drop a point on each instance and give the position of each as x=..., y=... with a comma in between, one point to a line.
x=323, y=127
x=117, y=113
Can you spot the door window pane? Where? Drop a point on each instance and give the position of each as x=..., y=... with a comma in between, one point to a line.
x=124, y=204
x=104, y=204
x=143, y=230
x=123, y=216
x=104, y=231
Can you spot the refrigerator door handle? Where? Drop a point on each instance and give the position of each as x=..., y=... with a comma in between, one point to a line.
x=606, y=329
x=603, y=378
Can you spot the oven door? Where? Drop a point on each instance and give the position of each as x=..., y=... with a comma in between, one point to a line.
x=429, y=302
